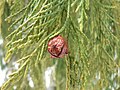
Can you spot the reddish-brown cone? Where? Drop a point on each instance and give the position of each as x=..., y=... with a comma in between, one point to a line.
x=57, y=47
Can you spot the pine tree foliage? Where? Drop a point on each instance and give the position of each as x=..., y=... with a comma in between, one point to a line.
x=92, y=29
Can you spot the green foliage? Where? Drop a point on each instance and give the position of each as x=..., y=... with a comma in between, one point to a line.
x=92, y=29
x=4, y=13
